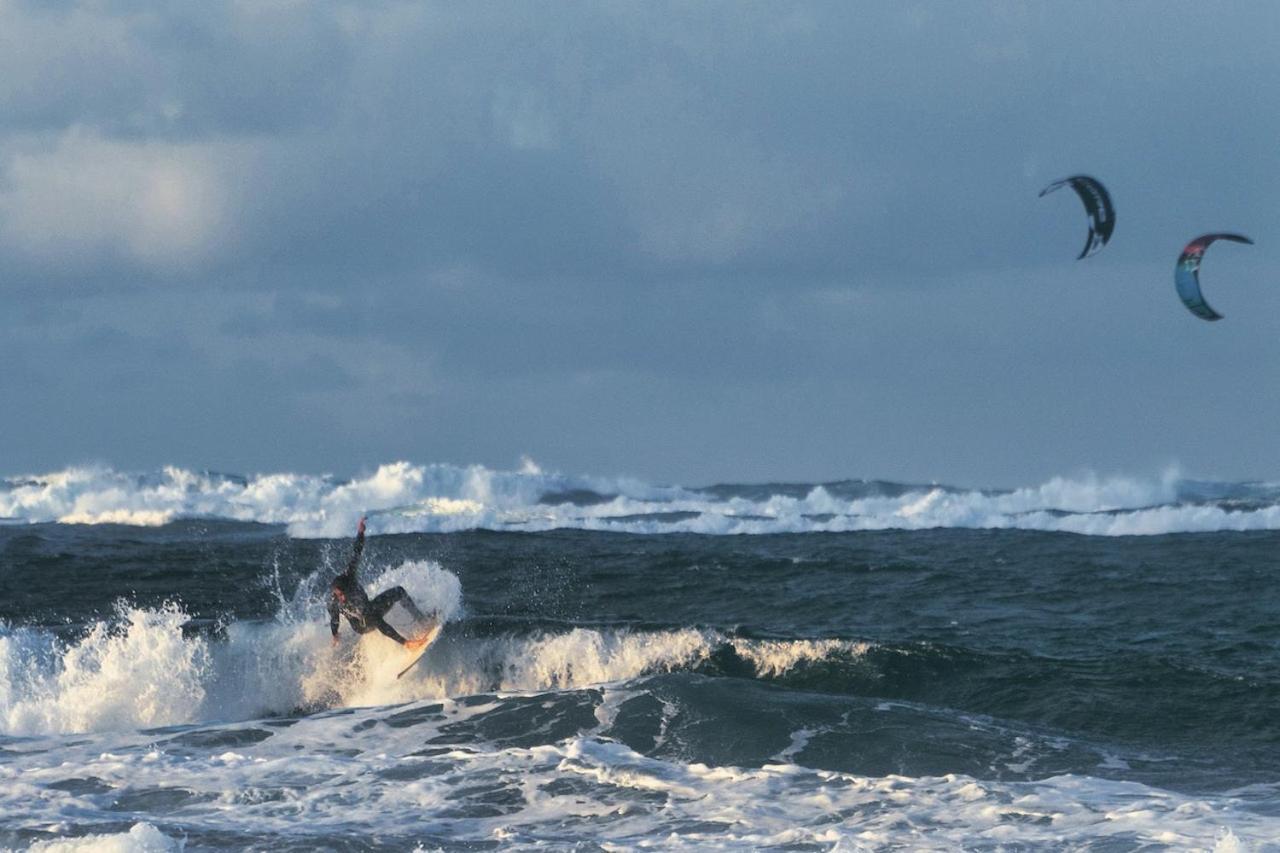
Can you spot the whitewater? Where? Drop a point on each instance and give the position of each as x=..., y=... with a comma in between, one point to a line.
x=1089, y=663
x=410, y=498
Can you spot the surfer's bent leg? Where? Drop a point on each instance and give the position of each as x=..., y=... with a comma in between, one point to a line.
x=381, y=625
x=384, y=601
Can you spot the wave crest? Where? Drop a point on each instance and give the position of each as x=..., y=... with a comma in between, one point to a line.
x=142, y=669
x=406, y=498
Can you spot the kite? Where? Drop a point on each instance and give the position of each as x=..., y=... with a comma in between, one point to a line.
x=1097, y=204
x=1186, y=275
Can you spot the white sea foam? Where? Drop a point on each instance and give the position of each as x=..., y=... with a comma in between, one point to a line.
x=351, y=776
x=777, y=657
x=402, y=498
x=135, y=671
x=142, y=838
x=139, y=670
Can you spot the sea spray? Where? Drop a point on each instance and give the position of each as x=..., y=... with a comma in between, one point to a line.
x=141, y=671
x=402, y=497
x=137, y=670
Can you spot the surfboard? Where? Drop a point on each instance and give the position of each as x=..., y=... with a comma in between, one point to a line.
x=430, y=635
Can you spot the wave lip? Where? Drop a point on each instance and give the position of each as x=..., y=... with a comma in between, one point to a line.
x=141, y=669
x=136, y=671
x=402, y=497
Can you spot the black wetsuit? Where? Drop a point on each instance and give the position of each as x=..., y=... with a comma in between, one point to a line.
x=364, y=614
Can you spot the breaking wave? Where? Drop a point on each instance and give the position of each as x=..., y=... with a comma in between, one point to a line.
x=145, y=668
x=402, y=498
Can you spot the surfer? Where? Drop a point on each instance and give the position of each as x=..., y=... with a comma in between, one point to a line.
x=348, y=598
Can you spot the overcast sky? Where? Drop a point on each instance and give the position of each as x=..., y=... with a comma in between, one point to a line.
x=689, y=242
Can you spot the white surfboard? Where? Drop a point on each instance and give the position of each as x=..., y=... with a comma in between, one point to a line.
x=430, y=635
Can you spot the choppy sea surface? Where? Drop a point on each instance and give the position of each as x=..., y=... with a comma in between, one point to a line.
x=1087, y=664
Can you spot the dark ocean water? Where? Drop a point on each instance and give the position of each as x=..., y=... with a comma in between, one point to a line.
x=886, y=689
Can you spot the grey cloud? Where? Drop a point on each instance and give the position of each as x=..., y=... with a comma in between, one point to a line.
x=189, y=71
x=316, y=374
x=666, y=238
x=676, y=142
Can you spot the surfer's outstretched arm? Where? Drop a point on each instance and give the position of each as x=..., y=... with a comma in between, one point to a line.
x=357, y=550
